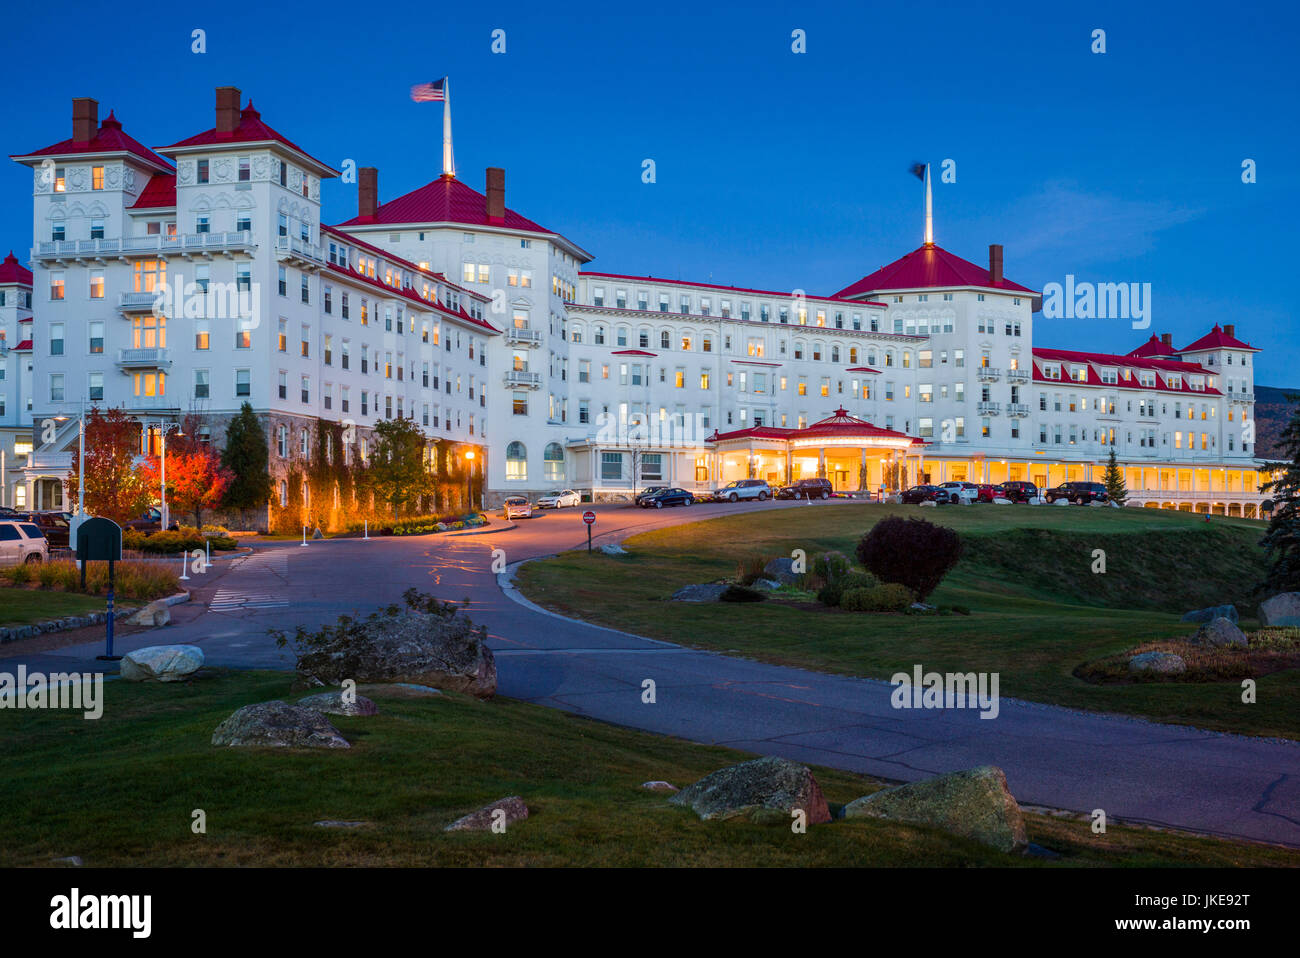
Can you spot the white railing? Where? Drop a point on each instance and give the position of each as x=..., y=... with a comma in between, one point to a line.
x=156, y=243
x=1018, y=375
x=527, y=337
x=987, y=373
x=153, y=402
x=1017, y=410
x=988, y=408
x=1200, y=495
x=296, y=247
x=143, y=357
x=138, y=301
x=520, y=377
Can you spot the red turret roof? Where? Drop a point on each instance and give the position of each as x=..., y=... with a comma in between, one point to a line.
x=1152, y=348
x=839, y=425
x=14, y=272
x=1217, y=339
x=929, y=267
x=251, y=129
x=109, y=138
x=445, y=200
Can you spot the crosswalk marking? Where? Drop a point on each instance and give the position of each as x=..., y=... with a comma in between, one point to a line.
x=259, y=566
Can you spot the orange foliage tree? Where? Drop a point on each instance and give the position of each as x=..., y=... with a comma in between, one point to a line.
x=115, y=488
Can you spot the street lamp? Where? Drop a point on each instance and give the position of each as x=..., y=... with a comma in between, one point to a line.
x=163, y=428
x=469, y=478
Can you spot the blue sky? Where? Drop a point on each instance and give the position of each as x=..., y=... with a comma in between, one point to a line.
x=774, y=169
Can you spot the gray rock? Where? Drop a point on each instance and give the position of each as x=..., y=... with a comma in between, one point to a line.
x=708, y=592
x=482, y=819
x=153, y=615
x=781, y=569
x=1220, y=632
x=929, y=503
x=401, y=690
x=1228, y=612
x=161, y=663
x=1166, y=663
x=659, y=786
x=333, y=703
x=1062, y=502
x=613, y=550
x=766, y=585
x=765, y=791
x=278, y=725
x=974, y=803
x=1280, y=610
x=410, y=647
x=999, y=501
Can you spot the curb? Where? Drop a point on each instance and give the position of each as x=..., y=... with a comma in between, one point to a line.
x=482, y=532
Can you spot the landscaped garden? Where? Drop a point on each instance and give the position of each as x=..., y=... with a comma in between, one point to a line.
x=1025, y=600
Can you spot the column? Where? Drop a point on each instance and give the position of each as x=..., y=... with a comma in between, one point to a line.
x=821, y=463
x=864, y=478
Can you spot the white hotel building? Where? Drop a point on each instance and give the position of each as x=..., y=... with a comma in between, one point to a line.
x=447, y=306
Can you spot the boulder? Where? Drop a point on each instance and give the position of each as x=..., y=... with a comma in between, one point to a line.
x=1220, y=632
x=766, y=584
x=999, y=501
x=1281, y=610
x=278, y=725
x=420, y=648
x=1097, y=505
x=1061, y=502
x=781, y=569
x=613, y=550
x=482, y=819
x=974, y=803
x=929, y=502
x=1165, y=663
x=765, y=791
x=161, y=663
x=659, y=786
x=334, y=703
x=1228, y=612
x=153, y=615
x=1037, y=500
x=708, y=592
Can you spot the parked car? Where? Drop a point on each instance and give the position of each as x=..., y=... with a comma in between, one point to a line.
x=667, y=497
x=55, y=526
x=646, y=493
x=22, y=542
x=744, y=489
x=1081, y=493
x=953, y=492
x=987, y=492
x=558, y=500
x=149, y=523
x=918, y=494
x=807, y=489
x=1018, y=491
x=516, y=507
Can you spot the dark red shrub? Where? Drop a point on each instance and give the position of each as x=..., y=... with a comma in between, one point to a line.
x=911, y=552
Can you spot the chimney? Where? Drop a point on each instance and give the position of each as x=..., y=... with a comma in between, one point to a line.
x=1167, y=339
x=367, y=192
x=85, y=119
x=227, y=109
x=995, y=263
x=496, y=194
x=1230, y=329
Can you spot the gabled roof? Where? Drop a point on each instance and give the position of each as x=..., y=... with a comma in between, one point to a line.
x=728, y=289
x=445, y=200
x=1091, y=360
x=251, y=129
x=1153, y=347
x=158, y=193
x=930, y=267
x=632, y=352
x=109, y=138
x=1217, y=339
x=13, y=272
x=840, y=424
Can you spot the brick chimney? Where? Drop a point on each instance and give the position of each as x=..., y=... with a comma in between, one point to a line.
x=85, y=119
x=496, y=195
x=995, y=263
x=227, y=109
x=1167, y=339
x=1230, y=329
x=367, y=192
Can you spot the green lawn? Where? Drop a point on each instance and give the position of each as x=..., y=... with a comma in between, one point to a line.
x=24, y=606
x=122, y=790
x=1038, y=610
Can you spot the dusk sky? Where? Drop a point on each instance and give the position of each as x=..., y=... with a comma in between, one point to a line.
x=774, y=169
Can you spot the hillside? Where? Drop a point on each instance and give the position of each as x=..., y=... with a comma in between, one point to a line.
x=1271, y=414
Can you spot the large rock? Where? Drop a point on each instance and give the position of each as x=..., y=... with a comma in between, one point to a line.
x=974, y=803
x=446, y=652
x=999, y=501
x=765, y=791
x=161, y=663
x=1281, y=610
x=708, y=592
x=153, y=615
x=782, y=570
x=1062, y=502
x=334, y=703
x=1220, y=632
x=278, y=725
x=1166, y=663
x=1228, y=612
x=507, y=811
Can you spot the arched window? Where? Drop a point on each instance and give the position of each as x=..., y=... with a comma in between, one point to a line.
x=553, y=462
x=516, y=461
x=600, y=335
x=622, y=336
x=643, y=338
x=871, y=357
x=575, y=333
x=889, y=357
x=907, y=359
x=664, y=341
x=835, y=354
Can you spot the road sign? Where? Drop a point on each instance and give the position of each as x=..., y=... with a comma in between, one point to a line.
x=589, y=517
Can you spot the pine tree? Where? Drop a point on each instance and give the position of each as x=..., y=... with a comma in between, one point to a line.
x=1282, y=540
x=247, y=457
x=1114, y=481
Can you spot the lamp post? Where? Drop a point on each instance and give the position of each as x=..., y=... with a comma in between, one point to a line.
x=163, y=428
x=80, y=515
x=469, y=478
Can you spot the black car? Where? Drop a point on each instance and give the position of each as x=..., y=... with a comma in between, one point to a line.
x=668, y=497
x=918, y=494
x=1018, y=491
x=1081, y=493
x=646, y=493
x=807, y=489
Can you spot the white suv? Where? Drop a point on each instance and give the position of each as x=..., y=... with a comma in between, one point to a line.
x=22, y=542
x=744, y=489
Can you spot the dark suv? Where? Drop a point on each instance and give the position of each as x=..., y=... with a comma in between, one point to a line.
x=806, y=489
x=1081, y=493
x=1019, y=491
x=918, y=494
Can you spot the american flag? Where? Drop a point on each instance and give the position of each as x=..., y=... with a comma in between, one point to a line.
x=429, y=92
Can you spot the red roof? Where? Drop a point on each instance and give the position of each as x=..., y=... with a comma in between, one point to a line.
x=327, y=230
x=730, y=289
x=1155, y=346
x=632, y=352
x=929, y=267
x=753, y=432
x=12, y=271
x=158, y=193
x=445, y=200
x=1164, y=366
x=838, y=425
x=24, y=346
x=251, y=129
x=862, y=369
x=109, y=138
x=1217, y=339
x=410, y=294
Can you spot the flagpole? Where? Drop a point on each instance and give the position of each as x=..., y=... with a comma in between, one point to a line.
x=448, y=161
x=929, y=210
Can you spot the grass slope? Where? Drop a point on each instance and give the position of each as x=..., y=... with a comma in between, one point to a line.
x=19, y=606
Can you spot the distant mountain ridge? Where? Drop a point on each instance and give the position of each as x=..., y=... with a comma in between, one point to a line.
x=1272, y=411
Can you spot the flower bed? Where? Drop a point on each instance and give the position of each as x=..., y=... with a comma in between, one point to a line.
x=171, y=542
x=424, y=525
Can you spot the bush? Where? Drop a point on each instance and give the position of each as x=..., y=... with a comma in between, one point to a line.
x=219, y=532
x=740, y=593
x=830, y=566
x=832, y=593
x=887, y=597
x=750, y=569
x=131, y=579
x=911, y=552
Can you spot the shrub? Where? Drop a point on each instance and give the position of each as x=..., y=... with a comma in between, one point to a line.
x=887, y=597
x=61, y=574
x=832, y=593
x=830, y=566
x=740, y=593
x=750, y=569
x=212, y=531
x=19, y=575
x=131, y=579
x=911, y=552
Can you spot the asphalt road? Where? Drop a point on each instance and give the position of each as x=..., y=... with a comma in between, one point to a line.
x=1135, y=770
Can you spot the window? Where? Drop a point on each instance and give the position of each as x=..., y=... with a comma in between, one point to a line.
x=611, y=465
x=553, y=462
x=243, y=382
x=57, y=283
x=200, y=384
x=202, y=176
x=56, y=387
x=96, y=336
x=96, y=177
x=95, y=386
x=56, y=339
x=516, y=462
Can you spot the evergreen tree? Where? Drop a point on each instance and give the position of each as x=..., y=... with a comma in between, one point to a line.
x=1282, y=540
x=1114, y=481
x=246, y=457
x=397, y=466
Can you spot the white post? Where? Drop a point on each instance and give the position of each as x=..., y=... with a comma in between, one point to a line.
x=448, y=161
x=366, y=523
x=81, y=464
x=304, y=535
x=929, y=210
x=185, y=555
x=207, y=549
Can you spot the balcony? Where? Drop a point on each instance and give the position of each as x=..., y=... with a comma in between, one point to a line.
x=523, y=337
x=987, y=374
x=522, y=377
x=1016, y=410
x=1240, y=397
x=158, y=404
x=988, y=408
x=138, y=302
x=1017, y=375
x=143, y=359
x=181, y=244
x=291, y=250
